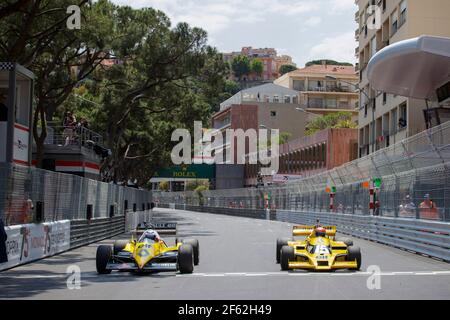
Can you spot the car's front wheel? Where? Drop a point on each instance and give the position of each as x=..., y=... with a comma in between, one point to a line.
x=102, y=259
x=195, y=246
x=281, y=242
x=354, y=253
x=287, y=254
x=186, y=258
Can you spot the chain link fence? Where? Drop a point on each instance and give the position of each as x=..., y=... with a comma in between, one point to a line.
x=415, y=176
x=34, y=195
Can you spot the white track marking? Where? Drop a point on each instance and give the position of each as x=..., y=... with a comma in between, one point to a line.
x=93, y=275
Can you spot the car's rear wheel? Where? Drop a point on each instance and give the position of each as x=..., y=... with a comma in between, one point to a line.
x=347, y=241
x=186, y=258
x=281, y=242
x=354, y=253
x=195, y=246
x=119, y=245
x=102, y=259
x=287, y=254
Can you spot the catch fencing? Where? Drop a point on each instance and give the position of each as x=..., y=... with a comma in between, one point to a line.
x=46, y=213
x=30, y=195
x=410, y=172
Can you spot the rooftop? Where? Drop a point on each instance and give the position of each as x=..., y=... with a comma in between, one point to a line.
x=270, y=93
x=326, y=70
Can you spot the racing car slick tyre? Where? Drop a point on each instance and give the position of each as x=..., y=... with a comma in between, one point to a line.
x=186, y=258
x=347, y=241
x=119, y=245
x=287, y=253
x=102, y=258
x=280, y=243
x=355, y=253
x=195, y=246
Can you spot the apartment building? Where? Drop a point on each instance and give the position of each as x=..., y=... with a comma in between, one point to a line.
x=267, y=106
x=385, y=119
x=269, y=58
x=324, y=89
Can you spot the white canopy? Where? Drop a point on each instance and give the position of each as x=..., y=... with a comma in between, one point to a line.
x=412, y=68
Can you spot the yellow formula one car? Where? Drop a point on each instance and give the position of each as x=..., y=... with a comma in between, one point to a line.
x=320, y=251
x=148, y=255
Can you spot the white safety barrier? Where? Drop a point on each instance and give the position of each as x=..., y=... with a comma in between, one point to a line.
x=31, y=242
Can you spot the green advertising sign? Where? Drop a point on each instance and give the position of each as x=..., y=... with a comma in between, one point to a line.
x=377, y=183
x=192, y=171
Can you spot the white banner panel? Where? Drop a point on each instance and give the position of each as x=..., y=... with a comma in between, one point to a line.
x=30, y=242
x=21, y=139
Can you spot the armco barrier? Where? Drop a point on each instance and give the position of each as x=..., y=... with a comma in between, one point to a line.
x=425, y=237
x=248, y=213
x=83, y=232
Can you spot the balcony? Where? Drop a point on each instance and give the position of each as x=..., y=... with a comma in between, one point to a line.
x=357, y=35
x=74, y=140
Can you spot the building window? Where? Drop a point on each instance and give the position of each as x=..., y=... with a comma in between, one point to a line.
x=403, y=120
x=287, y=99
x=394, y=123
x=403, y=11
x=394, y=22
x=331, y=103
x=276, y=99
x=315, y=103
x=384, y=98
x=273, y=113
x=299, y=85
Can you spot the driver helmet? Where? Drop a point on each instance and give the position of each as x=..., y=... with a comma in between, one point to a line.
x=151, y=234
x=321, y=232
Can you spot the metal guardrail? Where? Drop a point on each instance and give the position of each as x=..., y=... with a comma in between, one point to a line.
x=249, y=213
x=83, y=232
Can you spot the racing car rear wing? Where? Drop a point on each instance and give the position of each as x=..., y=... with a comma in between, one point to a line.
x=304, y=231
x=166, y=228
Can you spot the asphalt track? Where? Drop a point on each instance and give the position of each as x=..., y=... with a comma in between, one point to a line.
x=237, y=261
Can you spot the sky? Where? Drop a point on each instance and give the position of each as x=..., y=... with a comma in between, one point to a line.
x=304, y=29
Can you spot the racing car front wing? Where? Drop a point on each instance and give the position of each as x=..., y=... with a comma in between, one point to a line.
x=152, y=266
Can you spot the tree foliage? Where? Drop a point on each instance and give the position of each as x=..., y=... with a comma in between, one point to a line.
x=329, y=62
x=168, y=77
x=241, y=66
x=257, y=66
x=286, y=68
x=339, y=120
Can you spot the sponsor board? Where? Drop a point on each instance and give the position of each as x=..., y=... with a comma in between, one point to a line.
x=21, y=140
x=30, y=242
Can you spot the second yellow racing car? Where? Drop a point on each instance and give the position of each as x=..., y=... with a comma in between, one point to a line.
x=319, y=251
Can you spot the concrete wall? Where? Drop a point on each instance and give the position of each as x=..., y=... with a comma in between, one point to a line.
x=287, y=118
